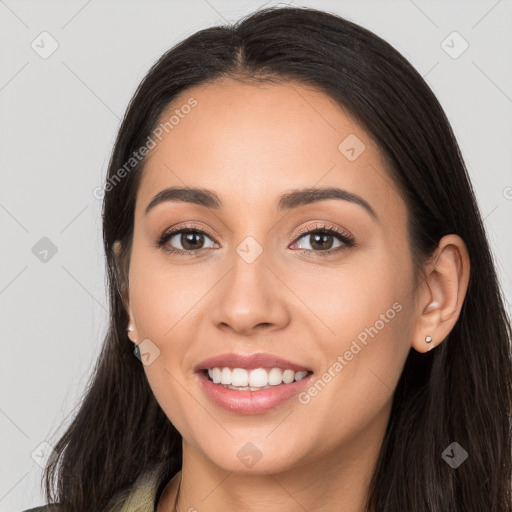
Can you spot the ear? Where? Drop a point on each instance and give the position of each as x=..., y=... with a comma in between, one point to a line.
x=124, y=291
x=440, y=297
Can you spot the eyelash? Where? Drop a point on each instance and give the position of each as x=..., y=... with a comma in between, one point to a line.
x=328, y=229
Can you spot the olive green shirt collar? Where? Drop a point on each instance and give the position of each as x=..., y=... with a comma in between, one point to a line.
x=143, y=495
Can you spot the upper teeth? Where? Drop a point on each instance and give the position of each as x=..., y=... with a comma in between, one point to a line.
x=258, y=377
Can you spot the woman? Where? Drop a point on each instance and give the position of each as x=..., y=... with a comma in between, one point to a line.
x=295, y=251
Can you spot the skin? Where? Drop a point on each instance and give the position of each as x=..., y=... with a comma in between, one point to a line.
x=249, y=144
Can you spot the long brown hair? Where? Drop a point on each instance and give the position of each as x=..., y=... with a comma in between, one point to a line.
x=458, y=392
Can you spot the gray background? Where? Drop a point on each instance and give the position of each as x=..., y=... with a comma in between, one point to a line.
x=59, y=118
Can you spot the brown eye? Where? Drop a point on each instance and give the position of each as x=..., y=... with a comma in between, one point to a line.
x=319, y=241
x=190, y=240
x=322, y=238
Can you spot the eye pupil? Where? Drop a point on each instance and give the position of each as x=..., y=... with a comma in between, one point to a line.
x=318, y=239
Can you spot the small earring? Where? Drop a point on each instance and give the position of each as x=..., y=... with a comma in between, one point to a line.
x=130, y=328
x=428, y=339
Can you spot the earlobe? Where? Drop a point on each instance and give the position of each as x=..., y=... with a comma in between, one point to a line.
x=130, y=330
x=442, y=293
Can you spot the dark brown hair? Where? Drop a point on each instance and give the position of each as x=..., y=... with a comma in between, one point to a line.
x=458, y=392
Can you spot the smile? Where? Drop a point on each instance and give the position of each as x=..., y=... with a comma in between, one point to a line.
x=253, y=379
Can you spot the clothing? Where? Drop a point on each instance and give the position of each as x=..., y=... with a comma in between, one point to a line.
x=142, y=497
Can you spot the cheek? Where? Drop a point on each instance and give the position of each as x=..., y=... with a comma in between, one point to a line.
x=163, y=295
x=369, y=314
x=361, y=369
x=168, y=306
x=364, y=298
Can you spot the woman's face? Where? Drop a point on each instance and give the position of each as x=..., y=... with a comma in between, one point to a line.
x=255, y=281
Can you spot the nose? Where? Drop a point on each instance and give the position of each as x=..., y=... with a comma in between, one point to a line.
x=251, y=299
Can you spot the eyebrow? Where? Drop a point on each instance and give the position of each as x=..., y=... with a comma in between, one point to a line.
x=287, y=201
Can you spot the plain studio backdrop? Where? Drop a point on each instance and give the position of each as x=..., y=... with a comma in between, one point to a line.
x=68, y=71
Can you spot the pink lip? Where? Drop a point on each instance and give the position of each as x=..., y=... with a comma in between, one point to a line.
x=259, y=360
x=250, y=402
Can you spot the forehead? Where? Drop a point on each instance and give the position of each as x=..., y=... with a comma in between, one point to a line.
x=257, y=141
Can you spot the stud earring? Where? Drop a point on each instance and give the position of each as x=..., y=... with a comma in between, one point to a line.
x=428, y=339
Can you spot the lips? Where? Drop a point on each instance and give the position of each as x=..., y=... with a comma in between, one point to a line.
x=250, y=402
x=249, y=362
